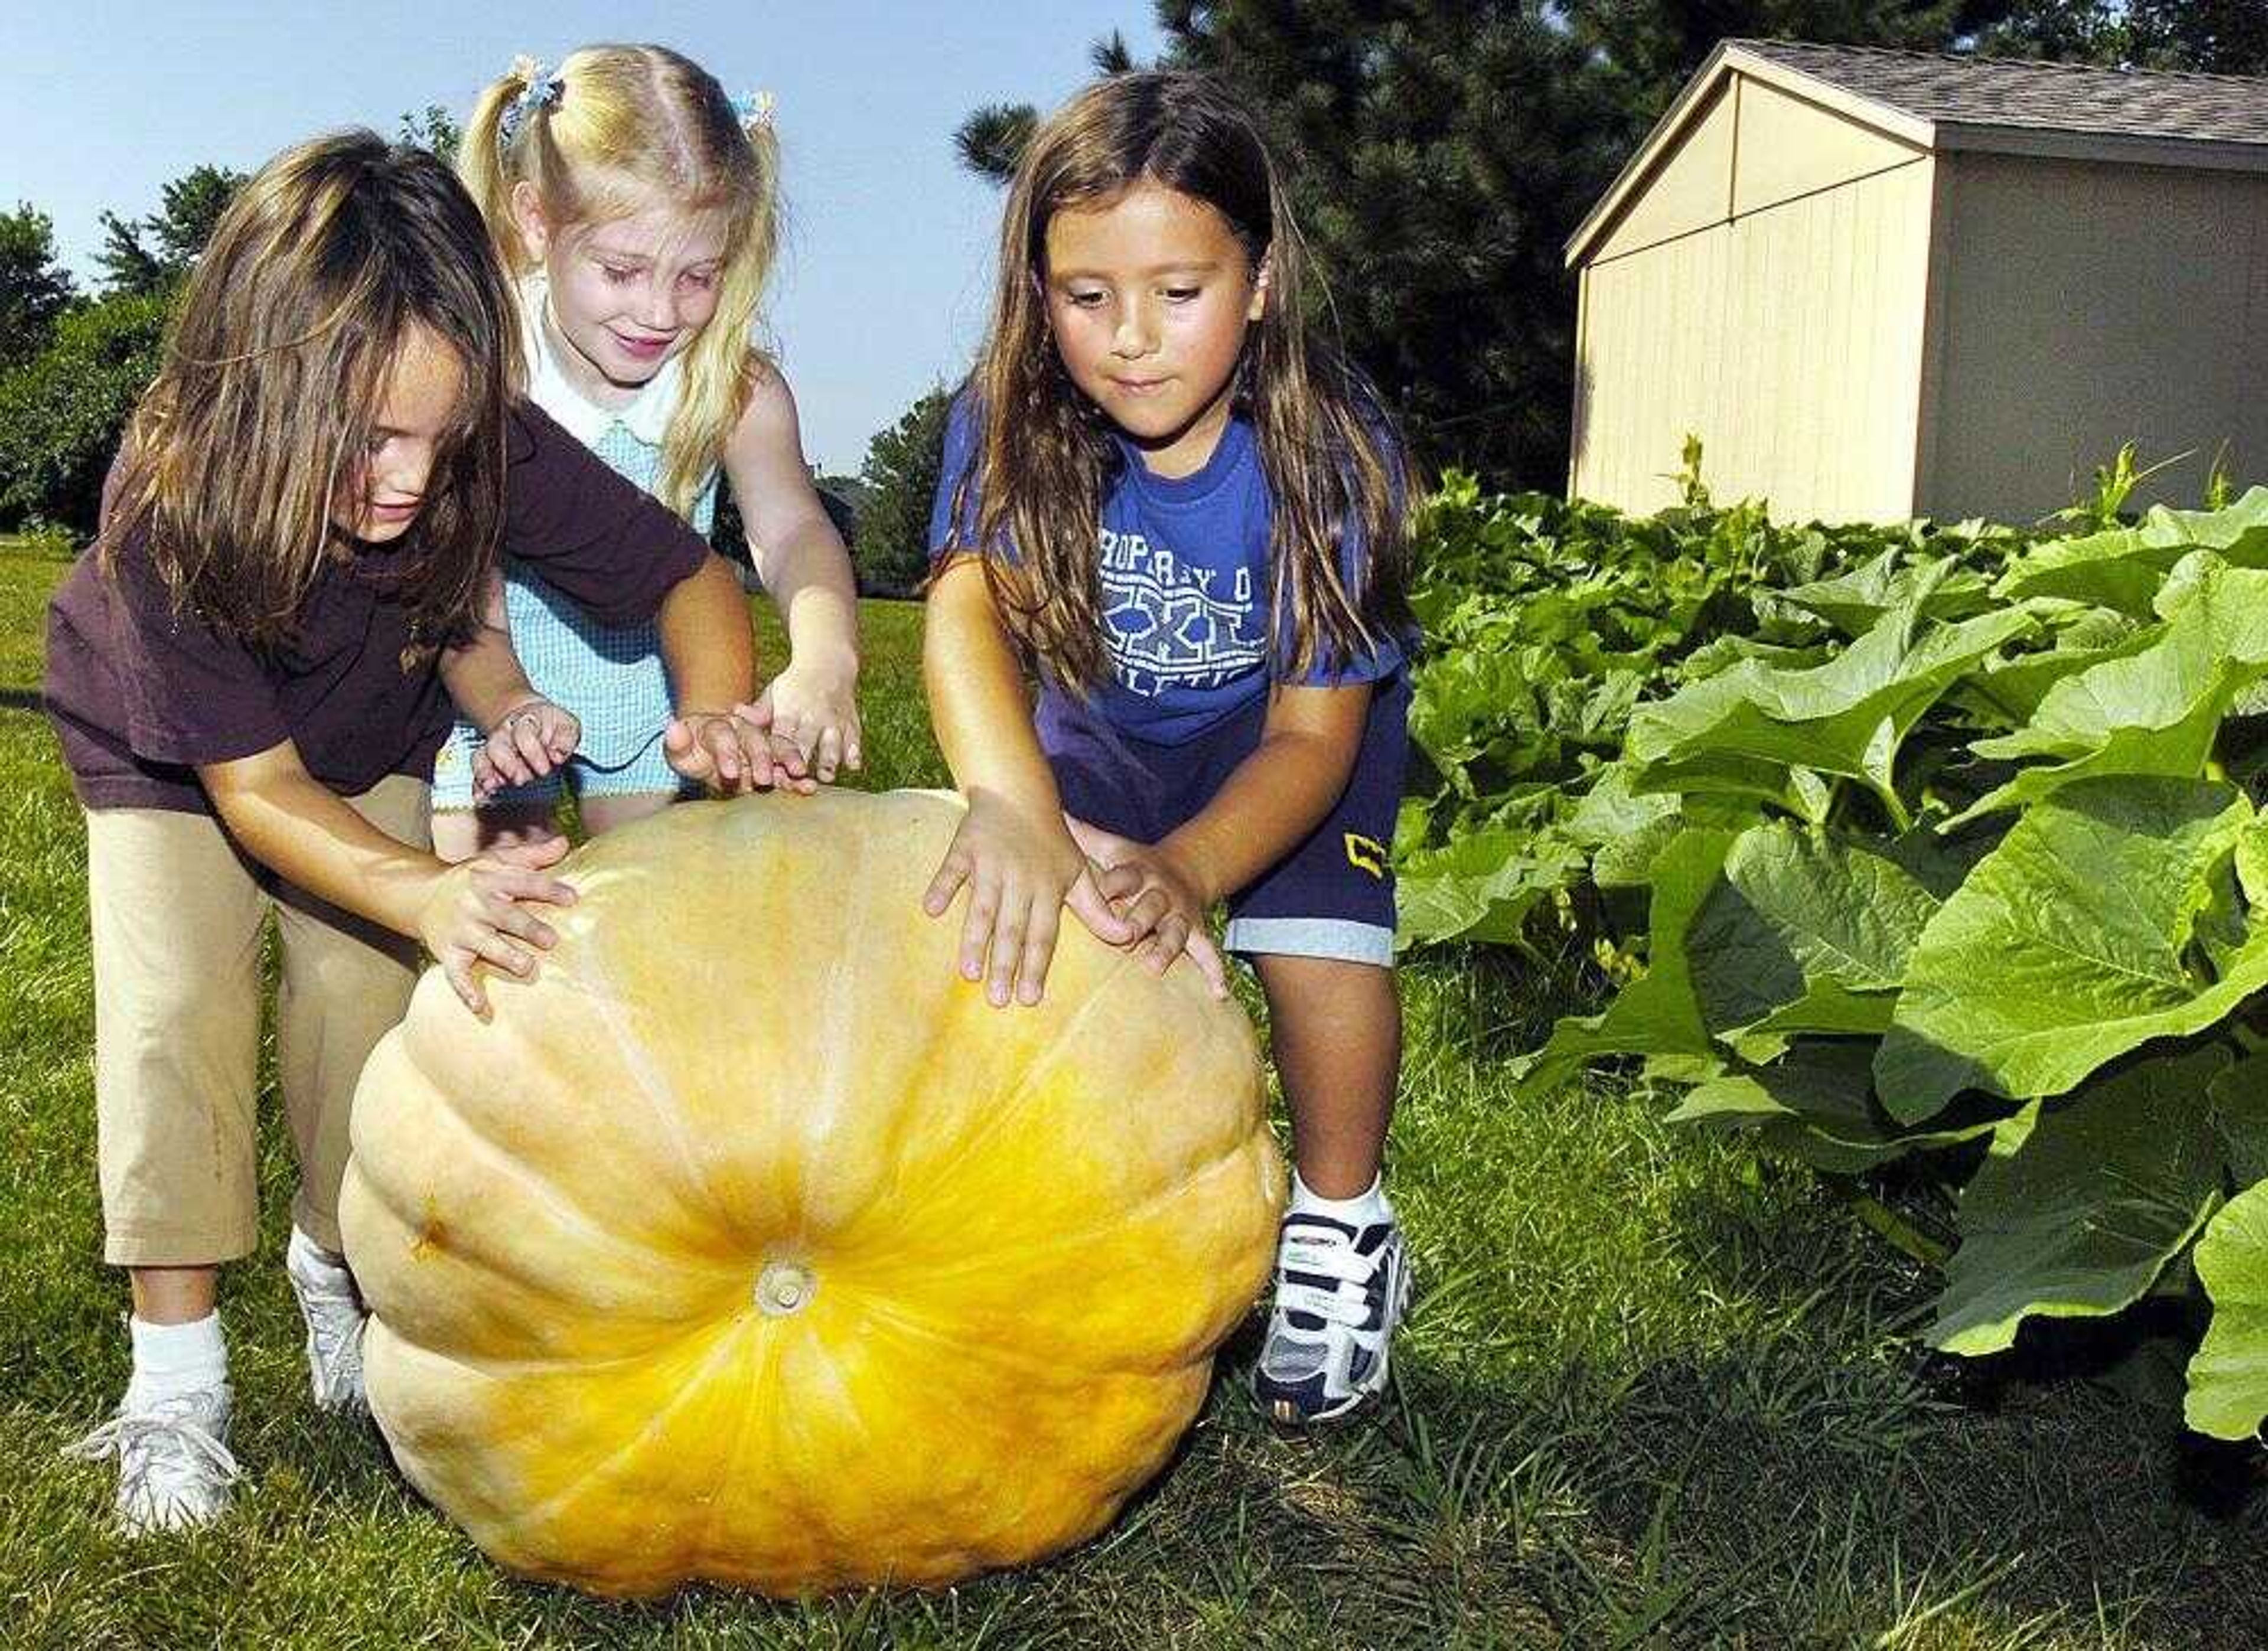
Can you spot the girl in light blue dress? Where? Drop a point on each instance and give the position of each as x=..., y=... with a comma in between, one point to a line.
x=636, y=206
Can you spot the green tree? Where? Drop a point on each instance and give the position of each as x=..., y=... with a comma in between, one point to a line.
x=150, y=254
x=901, y=474
x=34, y=289
x=61, y=414
x=2229, y=37
x=433, y=127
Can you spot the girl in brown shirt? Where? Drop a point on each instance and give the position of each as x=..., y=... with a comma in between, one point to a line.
x=247, y=675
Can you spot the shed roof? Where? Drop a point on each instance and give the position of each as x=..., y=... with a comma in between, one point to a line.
x=1939, y=100
x=1940, y=86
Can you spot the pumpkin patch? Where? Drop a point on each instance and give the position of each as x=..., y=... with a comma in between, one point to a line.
x=749, y=1244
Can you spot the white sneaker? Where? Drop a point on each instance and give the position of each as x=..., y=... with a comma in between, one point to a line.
x=1340, y=1291
x=332, y=1308
x=174, y=1469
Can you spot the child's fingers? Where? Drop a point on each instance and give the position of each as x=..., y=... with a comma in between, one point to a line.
x=1039, y=951
x=533, y=739
x=515, y=887
x=1158, y=951
x=1102, y=920
x=1201, y=951
x=1117, y=883
x=952, y=872
x=465, y=981
x=1006, y=955
x=523, y=924
x=535, y=853
x=1148, y=914
x=498, y=951
x=976, y=920
x=685, y=753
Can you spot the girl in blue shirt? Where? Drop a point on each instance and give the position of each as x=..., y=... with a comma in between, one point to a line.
x=1170, y=504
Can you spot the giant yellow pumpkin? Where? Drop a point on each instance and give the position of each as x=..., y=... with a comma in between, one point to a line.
x=749, y=1244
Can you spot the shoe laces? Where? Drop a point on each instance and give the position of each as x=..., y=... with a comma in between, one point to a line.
x=165, y=1442
x=1320, y=1272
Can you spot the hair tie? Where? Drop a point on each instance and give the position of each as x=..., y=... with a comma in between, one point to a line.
x=541, y=88
x=754, y=109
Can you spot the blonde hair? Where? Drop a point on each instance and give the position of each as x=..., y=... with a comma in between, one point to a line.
x=626, y=126
x=1333, y=466
x=274, y=371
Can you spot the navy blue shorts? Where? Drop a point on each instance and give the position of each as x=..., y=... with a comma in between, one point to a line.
x=1331, y=897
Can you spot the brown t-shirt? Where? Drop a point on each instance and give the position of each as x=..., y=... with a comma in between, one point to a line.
x=141, y=696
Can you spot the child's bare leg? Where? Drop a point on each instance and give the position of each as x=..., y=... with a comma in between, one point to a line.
x=461, y=834
x=1337, y=1030
x=603, y=814
x=175, y=1296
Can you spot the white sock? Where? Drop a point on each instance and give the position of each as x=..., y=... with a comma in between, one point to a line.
x=1366, y=1208
x=171, y=1360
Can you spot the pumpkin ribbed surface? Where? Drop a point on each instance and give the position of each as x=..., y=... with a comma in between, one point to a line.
x=750, y=1243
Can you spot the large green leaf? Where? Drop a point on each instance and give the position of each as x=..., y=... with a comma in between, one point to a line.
x=1801, y=918
x=2077, y=1217
x=1481, y=888
x=1852, y=602
x=2124, y=567
x=1657, y=1014
x=1817, y=1105
x=2228, y=1376
x=2240, y=1113
x=2152, y=711
x=1845, y=718
x=2070, y=944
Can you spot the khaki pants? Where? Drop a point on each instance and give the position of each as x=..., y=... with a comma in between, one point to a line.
x=177, y=916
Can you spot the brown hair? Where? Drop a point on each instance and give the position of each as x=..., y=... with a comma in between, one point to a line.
x=630, y=127
x=273, y=373
x=1045, y=455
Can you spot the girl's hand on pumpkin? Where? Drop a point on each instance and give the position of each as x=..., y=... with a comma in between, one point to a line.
x=814, y=709
x=1020, y=873
x=528, y=741
x=1159, y=899
x=730, y=751
x=481, y=912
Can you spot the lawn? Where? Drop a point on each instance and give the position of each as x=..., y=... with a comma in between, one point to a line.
x=1653, y=1393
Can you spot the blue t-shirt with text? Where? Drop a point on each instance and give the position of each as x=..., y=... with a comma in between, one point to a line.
x=1185, y=585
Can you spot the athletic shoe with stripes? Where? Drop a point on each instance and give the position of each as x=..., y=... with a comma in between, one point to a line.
x=1340, y=1291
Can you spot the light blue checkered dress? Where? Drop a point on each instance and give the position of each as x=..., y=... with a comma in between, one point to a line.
x=611, y=676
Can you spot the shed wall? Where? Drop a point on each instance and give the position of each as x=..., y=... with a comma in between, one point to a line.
x=2085, y=305
x=1789, y=339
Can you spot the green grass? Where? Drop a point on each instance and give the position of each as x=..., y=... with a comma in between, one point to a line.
x=1655, y=1394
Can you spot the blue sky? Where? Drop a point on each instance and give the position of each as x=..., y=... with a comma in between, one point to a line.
x=884, y=286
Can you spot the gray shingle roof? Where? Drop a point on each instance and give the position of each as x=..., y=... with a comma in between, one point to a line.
x=2035, y=96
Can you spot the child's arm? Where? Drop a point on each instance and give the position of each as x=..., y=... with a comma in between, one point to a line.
x=527, y=735
x=805, y=571
x=1012, y=852
x=485, y=910
x=1268, y=805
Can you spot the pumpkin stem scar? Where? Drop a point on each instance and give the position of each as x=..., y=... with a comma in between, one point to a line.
x=432, y=1235
x=784, y=1287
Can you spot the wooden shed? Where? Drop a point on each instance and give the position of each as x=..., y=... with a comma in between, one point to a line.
x=1880, y=284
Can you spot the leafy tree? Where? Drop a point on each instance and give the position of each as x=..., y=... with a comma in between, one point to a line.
x=34, y=289
x=433, y=127
x=901, y=474
x=2227, y=36
x=61, y=415
x=150, y=254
